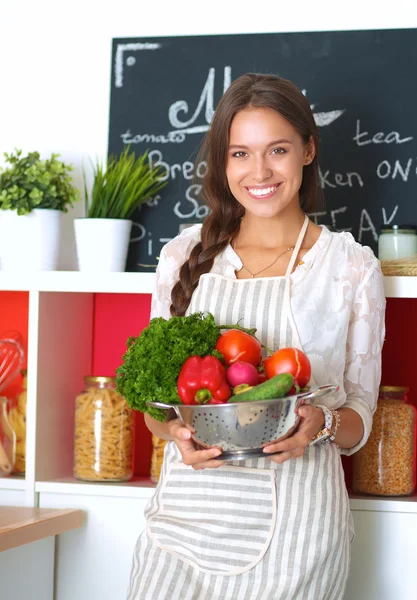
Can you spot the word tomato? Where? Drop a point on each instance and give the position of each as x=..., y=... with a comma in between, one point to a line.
x=289, y=360
x=238, y=345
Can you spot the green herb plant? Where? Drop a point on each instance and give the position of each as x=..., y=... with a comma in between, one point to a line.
x=154, y=359
x=122, y=186
x=30, y=183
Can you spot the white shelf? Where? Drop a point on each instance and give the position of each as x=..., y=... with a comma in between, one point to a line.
x=136, y=283
x=74, y=281
x=139, y=487
x=400, y=504
x=12, y=483
x=400, y=287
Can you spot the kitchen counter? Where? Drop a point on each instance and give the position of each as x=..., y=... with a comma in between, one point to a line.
x=27, y=543
x=19, y=526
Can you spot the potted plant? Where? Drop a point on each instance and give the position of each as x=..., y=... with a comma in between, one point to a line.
x=102, y=237
x=33, y=195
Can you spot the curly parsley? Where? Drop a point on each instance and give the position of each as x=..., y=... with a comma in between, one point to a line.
x=154, y=359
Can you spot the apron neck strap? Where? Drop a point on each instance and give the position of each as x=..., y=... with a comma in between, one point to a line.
x=297, y=246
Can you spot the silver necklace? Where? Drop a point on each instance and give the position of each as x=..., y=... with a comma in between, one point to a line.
x=269, y=266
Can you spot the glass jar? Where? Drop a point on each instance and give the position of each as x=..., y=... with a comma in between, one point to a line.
x=385, y=465
x=157, y=458
x=397, y=241
x=103, y=430
x=17, y=418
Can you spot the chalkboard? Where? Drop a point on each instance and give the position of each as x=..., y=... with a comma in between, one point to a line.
x=362, y=86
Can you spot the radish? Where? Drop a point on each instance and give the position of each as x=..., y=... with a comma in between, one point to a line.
x=242, y=372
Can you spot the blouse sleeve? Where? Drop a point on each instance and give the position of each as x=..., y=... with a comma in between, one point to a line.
x=161, y=295
x=364, y=346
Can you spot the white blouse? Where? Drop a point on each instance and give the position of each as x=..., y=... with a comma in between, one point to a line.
x=338, y=304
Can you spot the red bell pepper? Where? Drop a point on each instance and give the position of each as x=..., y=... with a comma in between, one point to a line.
x=203, y=381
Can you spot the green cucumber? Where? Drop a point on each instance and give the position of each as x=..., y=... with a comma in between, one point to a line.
x=276, y=387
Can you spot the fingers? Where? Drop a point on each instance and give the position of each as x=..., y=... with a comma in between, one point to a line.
x=306, y=411
x=294, y=446
x=198, y=459
x=298, y=440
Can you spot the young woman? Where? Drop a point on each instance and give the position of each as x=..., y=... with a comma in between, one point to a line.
x=277, y=527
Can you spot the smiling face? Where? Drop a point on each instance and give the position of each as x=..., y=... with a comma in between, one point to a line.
x=265, y=161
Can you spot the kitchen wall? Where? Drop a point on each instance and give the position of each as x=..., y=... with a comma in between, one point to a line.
x=55, y=60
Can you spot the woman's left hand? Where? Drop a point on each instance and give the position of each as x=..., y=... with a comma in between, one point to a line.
x=312, y=420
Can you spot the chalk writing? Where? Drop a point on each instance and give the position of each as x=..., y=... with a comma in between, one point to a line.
x=388, y=220
x=378, y=138
x=366, y=224
x=339, y=179
x=174, y=137
x=386, y=170
x=205, y=101
x=195, y=210
x=186, y=169
x=118, y=61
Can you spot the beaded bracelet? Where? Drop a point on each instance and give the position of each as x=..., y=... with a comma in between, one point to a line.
x=335, y=424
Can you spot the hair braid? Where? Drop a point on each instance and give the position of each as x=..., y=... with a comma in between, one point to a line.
x=214, y=240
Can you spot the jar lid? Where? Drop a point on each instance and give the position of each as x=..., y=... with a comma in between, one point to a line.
x=399, y=229
x=101, y=379
x=393, y=388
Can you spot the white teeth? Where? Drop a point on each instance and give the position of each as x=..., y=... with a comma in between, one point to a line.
x=262, y=191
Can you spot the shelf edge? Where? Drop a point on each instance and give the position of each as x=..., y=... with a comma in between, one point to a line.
x=141, y=488
x=400, y=287
x=406, y=504
x=76, y=281
x=137, y=283
x=11, y=483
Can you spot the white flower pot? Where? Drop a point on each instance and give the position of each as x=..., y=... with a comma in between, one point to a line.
x=30, y=242
x=102, y=244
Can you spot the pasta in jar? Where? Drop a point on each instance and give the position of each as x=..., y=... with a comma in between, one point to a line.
x=103, y=432
x=157, y=458
x=17, y=419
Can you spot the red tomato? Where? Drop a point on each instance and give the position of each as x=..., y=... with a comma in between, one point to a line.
x=289, y=360
x=238, y=345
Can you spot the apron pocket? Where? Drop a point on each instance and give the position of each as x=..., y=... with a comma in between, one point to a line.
x=218, y=520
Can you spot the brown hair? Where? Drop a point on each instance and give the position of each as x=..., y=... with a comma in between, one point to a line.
x=252, y=90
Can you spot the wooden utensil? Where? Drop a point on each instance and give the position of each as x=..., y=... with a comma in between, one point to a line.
x=7, y=434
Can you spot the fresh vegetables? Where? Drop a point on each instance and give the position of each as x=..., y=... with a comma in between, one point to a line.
x=236, y=344
x=192, y=360
x=203, y=381
x=153, y=360
x=276, y=387
x=242, y=372
x=289, y=360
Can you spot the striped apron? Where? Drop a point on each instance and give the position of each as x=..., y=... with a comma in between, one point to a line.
x=253, y=529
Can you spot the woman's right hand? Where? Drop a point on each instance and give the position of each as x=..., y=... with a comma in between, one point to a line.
x=197, y=459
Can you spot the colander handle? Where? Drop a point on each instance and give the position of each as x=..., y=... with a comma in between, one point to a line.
x=323, y=390
x=161, y=405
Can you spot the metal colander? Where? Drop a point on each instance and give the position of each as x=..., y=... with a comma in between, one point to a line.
x=242, y=429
